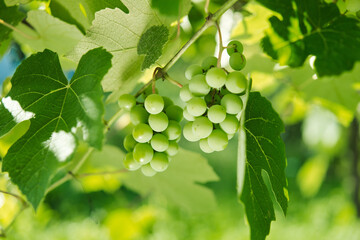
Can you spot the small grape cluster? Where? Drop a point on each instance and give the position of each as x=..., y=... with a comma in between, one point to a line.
x=155, y=135
x=213, y=100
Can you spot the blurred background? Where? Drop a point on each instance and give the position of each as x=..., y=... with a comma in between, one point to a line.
x=322, y=148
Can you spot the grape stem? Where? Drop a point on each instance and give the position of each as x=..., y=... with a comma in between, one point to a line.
x=221, y=47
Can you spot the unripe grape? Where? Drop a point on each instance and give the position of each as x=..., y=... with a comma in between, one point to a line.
x=218, y=140
x=130, y=163
x=187, y=115
x=167, y=102
x=232, y=103
x=159, y=142
x=127, y=101
x=142, y=133
x=196, y=106
x=185, y=94
x=209, y=62
x=215, y=77
x=230, y=136
x=158, y=122
x=237, y=61
x=138, y=115
x=147, y=170
x=173, y=148
x=236, y=82
x=129, y=143
x=204, y=146
x=198, y=86
x=188, y=133
x=154, y=104
x=173, y=131
x=202, y=127
x=174, y=112
x=216, y=113
x=234, y=46
x=160, y=162
x=230, y=125
x=224, y=91
x=192, y=71
x=143, y=153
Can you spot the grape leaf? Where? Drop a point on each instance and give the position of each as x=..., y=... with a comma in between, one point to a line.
x=10, y=15
x=82, y=12
x=151, y=44
x=56, y=108
x=172, y=8
x=261, y=149
x=312, y=27
x=179, y=182
x=48, y=32
x=119, y=33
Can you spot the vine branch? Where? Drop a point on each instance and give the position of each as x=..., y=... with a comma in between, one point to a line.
x=17, y=30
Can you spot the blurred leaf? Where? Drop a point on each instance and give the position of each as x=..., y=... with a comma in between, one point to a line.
x=179, y=183
x=56, y=108
x=14, y=2
x=48, y=33
x=175, y=8
x=9, y=15
x=314, y=28
x=82, y=12
x=7, y=140
x=261, y=148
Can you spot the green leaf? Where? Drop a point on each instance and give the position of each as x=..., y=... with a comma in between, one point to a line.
x=151, y=43
x=314, y=28
x=48, y=32
x=174, y=8
x=56, y=108
x=179, y=183
x=82, y=12
x=261, y=150
x=9, y=15
x=14, y=2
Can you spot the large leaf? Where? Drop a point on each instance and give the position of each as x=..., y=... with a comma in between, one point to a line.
x=9, y=15
x=48, y=32
x=261, y=150
x=56, y=108
x=120, y=33
x=179, y=183
x=312, y=27
x=82, y=12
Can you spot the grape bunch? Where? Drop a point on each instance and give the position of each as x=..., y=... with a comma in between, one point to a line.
x=213, y=101
x=155, y=135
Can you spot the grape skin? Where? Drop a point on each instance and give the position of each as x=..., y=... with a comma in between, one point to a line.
x=138, y=115
x=142, y=133
x=147, y=170
x=230, y=125
x=215, y=77
x=158, y=122
x=188, y=133
x=232, y=103
x=174, y=112
x=130, y=163
x=198, y=86
x=187, y=115
x=237, y=61
x=143, y=153
x=159, y=142
x=209, y=62
x=196, y=106
x=173, y=131
x=160, y=162
x=192, y=71
x=127, y=101
x=129, y=142
x=236, y=82
x=204, y=146
x=154, y=104
x=216, y=113
x=218, y=140
x=173, y=148
x=234, y=46
x=185, y=93
x=202, y=127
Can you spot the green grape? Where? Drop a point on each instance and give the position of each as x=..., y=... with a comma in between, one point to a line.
x=230, y=136
x=204, y=146
x=224, y=91
x=185, y=94
x=173, y=131
x=192, y=71
x=159, y=142
x=158, y=122
x=142, y=133
x=129, y=143
x=232, y=103
x=167, y=102
x=198, y=86
x=236, y=82
x=233, y=47
x=173, y=148
x=154, y=104
x=127, y=101
x=187, y=115
x=174, y=112
x=196, y=107
x=147, y=170
x=212, y=98
x=215, y=77
x=138, y=115
x=202, y=127
x=160, y=162
x=188, y=133
x=130, y=163
x=148, y=91
x=209, y=62
x=216, y=113
x=218, y=140
x=230, y=125
x=143, y=153
x=237, y=61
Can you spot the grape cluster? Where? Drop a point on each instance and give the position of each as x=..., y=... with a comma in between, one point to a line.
x=213, y=101
x=155, y=135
